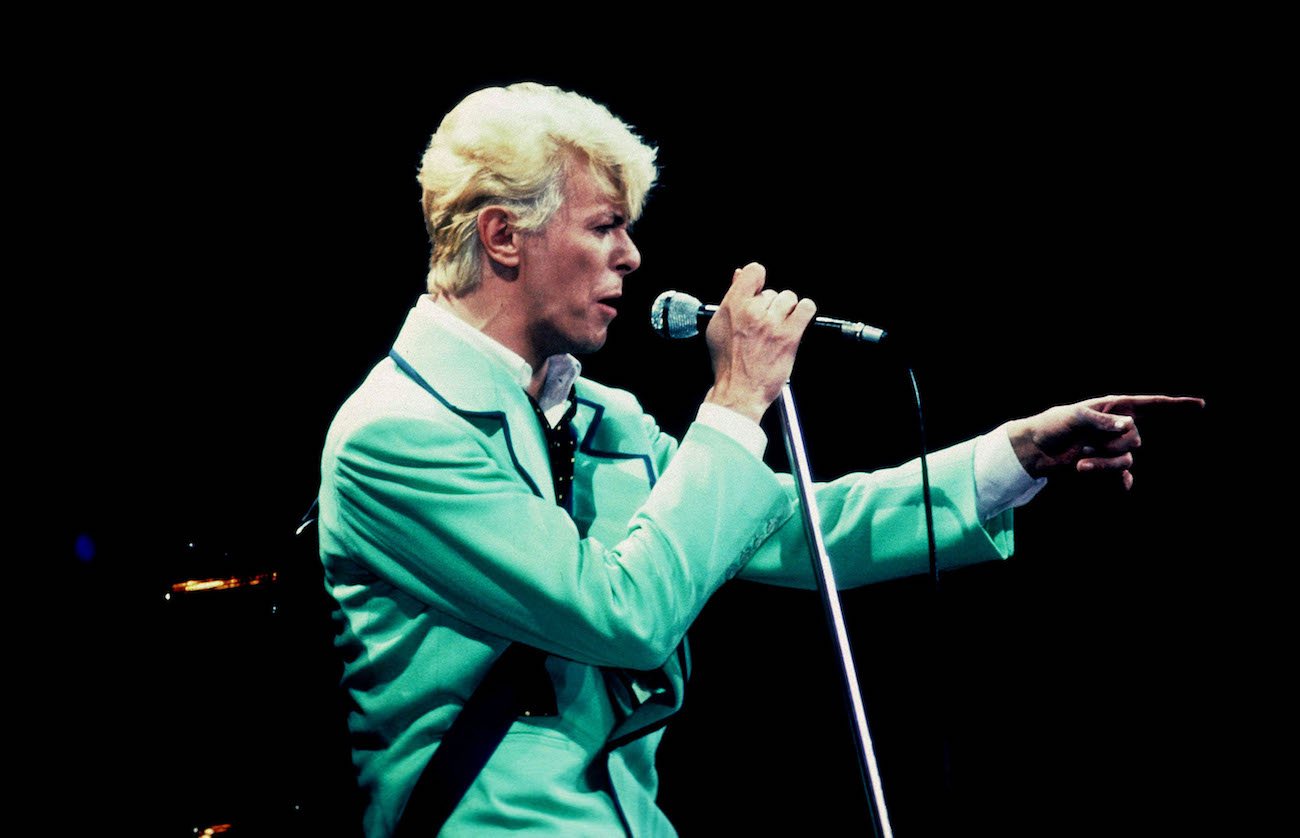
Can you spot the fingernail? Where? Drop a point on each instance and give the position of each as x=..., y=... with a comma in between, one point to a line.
x=1121, y=424
x=1086, y=466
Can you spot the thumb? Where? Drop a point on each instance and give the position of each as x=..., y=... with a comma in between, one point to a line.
x=746, y=282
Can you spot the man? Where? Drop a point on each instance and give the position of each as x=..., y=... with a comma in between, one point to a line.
x=477, y=492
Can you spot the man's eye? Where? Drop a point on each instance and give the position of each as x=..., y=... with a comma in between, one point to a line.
x=614, y=223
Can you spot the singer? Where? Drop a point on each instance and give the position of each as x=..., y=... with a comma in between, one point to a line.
x=517, y=552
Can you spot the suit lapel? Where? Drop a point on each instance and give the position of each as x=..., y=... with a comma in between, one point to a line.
x=601, y=436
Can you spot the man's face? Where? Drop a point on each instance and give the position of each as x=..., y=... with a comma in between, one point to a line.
x=573, y=271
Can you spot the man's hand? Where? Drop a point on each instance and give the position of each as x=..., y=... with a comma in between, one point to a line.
x=1095, y=435
x=753, y=337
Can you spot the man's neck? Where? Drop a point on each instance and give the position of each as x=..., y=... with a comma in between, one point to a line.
x=490, y=316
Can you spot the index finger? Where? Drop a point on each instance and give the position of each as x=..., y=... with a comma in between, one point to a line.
x=1111, y=404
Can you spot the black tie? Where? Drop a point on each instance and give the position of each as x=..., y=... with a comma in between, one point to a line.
x=561, y=445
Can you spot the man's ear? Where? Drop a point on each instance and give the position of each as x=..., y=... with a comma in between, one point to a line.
x=499, y=235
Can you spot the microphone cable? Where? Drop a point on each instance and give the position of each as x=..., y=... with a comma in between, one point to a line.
x=925, y=482
x=938, y=712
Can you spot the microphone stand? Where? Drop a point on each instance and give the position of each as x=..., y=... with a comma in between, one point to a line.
x=830, y=600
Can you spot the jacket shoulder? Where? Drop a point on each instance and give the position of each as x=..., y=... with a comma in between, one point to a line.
x=387, y=395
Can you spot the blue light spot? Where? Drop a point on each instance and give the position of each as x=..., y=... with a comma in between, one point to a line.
x=84, y=548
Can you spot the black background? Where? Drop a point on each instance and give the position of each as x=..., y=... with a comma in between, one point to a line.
x=238, y=236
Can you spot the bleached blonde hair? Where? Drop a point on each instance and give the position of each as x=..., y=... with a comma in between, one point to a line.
x=514, y=147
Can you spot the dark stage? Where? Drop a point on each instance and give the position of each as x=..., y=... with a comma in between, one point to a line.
x=251, y=246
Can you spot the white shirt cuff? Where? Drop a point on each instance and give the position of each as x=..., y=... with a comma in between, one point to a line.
x=1001, y=482
x=740, y=428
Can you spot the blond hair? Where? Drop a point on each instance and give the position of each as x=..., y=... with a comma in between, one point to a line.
x=514, y=147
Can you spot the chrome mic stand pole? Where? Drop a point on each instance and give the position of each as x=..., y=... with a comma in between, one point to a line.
x=831, y=601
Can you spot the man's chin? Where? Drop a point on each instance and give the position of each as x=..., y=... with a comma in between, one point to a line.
x=590, y=346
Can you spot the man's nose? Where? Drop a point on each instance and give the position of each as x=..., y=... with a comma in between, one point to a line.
x=629, y=258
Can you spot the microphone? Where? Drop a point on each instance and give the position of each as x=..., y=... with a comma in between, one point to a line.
x=677, y=315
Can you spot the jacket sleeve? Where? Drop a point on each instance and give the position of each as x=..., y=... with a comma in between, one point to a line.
x=427, y=508
x=874, y=526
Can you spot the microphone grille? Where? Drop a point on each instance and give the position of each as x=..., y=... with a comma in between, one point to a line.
x=675, y=315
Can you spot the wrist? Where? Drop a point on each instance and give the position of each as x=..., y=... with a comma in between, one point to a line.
x=1021, y=434
x=748, y=407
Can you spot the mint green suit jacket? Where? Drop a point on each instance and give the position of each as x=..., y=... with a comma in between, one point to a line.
x=442, y=543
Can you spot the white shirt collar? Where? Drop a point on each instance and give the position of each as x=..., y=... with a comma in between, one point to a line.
x=561, y=372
